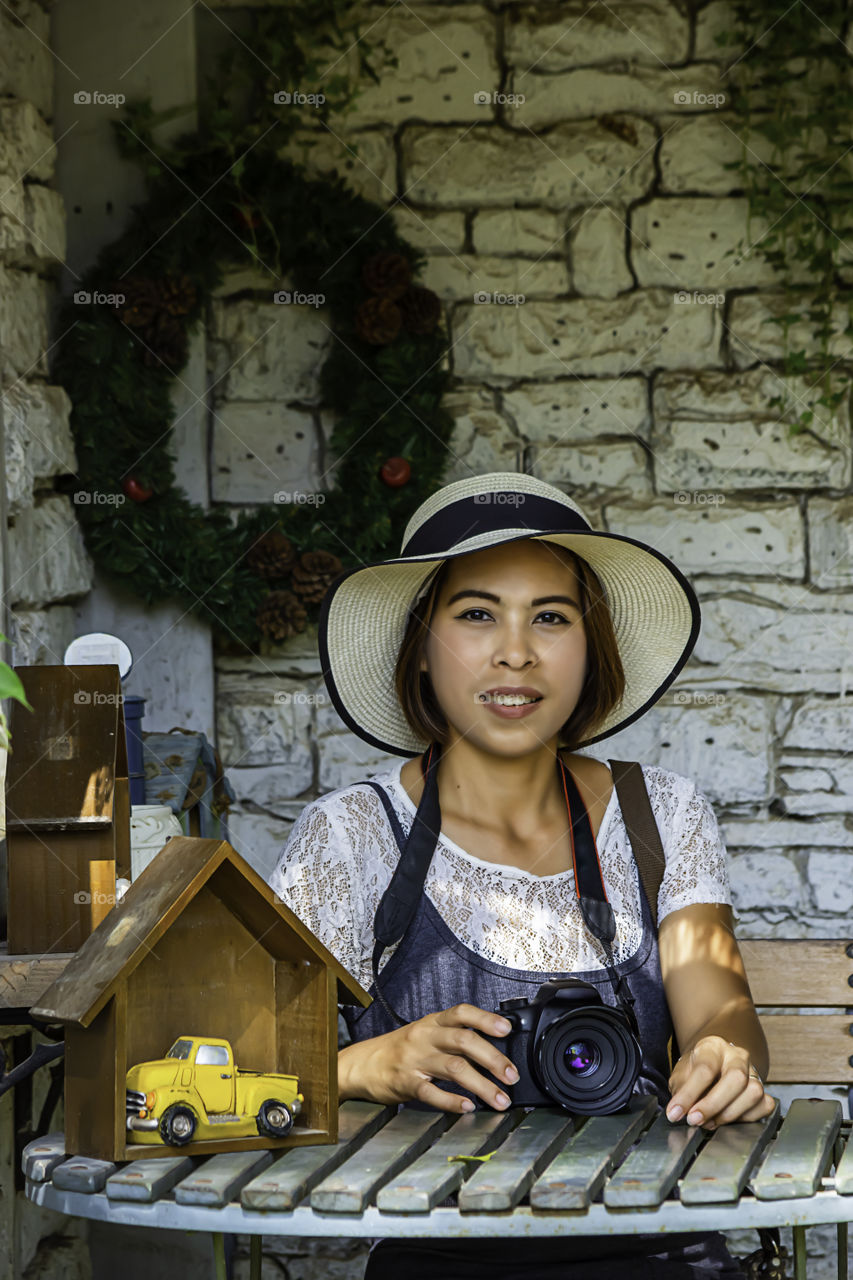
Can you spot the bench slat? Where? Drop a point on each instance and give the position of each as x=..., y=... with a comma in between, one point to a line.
x=148, y=1180
x=217, y=1181
x=651, y=1170
x=41, y=1156
x=720, y=1171
x=812, y=1052
x=798, y=971
x=298, y=1171
x=795, y=1162
x=404, y=1137
x=81, y=1173
x=434, y=1175
x=577, y=1174
x=502, y=1182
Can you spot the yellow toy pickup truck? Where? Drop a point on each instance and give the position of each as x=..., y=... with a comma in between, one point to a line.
x=196, y=1092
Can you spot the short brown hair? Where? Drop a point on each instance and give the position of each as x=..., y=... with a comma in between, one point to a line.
x=602, y=689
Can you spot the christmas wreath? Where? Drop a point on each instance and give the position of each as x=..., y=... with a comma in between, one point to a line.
x=258, y=575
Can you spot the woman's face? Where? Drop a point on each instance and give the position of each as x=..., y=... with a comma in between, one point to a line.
x=487, y=633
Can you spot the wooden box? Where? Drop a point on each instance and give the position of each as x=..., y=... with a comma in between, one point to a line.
x=67, y=806
x=199, y=945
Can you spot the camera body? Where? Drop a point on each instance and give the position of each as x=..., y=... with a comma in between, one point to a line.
x=570, y=1049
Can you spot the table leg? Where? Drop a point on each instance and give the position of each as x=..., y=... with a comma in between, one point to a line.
x=799, y=1253
x=842, y=1251
x=256, y=1258
x=219, y=1255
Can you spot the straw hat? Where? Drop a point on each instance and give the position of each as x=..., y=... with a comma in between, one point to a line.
x=363, y=615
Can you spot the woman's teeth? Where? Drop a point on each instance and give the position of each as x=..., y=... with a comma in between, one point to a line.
x=507, y=699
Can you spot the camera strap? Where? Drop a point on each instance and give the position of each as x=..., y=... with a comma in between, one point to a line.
x=592, y=895
x=399, y=902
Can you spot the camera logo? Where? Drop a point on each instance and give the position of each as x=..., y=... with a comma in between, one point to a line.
x=85, y=98
x=285, y=297
x=283, y=98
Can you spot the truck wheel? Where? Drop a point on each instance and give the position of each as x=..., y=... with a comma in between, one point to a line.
x=177, y=1125
x=275, y=1119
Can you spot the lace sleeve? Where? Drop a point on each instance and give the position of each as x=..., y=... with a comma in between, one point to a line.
x=316, y=876
x=696, y=866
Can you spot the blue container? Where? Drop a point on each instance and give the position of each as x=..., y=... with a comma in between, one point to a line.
x=134, y=707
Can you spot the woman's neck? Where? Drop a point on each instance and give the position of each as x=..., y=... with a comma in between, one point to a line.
x=512, y=796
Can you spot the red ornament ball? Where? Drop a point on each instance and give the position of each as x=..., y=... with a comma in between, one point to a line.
x=134, y=490
x=395, y=472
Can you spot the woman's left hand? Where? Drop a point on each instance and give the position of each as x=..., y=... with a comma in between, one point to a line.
x=714, y=1083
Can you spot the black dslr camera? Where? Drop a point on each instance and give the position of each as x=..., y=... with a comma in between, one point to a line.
x=570, y=1049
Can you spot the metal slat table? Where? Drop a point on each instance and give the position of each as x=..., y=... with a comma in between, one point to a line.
x=521, y=1173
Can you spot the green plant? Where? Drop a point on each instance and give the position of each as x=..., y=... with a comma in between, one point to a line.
x=792, y=97
x=10, y=687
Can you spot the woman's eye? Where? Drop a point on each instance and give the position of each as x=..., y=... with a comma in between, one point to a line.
x=548, y=613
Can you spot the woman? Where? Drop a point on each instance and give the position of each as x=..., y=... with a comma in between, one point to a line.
x=507, y=635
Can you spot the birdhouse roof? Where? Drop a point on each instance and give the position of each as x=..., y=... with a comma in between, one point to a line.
x=128, y=932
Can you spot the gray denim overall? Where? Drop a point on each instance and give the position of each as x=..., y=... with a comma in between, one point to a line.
x=432, y=969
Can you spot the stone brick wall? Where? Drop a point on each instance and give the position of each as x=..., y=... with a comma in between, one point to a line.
x=48, y=563
x=636, y=374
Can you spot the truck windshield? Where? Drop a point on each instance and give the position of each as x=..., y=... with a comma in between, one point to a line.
x=180, y=1049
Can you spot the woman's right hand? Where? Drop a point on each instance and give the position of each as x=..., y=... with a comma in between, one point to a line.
x=401, y=1065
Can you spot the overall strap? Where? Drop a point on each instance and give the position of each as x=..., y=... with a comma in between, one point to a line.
x=642, y=828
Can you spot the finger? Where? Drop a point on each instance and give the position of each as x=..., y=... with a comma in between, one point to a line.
x=442, y=1099
x=696, y=1085
x=459, y=1071
x=462, y=1040
x=752, y=1104
x=469, y=1015
x=732, y=1084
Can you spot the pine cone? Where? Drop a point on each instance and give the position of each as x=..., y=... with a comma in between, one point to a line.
x=142, y=302
x=314, y=573
x=420, y=309
x=281, y=615
x=378, y=320
x=178, y=295
x=387, y=274
x=272, y=556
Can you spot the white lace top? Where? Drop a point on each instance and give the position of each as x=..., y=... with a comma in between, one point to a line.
x=341, y=853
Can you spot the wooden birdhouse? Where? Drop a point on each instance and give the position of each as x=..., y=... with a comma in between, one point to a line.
x=198, y=949
x=67, y=806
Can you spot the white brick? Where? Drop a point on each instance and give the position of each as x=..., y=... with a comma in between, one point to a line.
x=263, y=449
x=761, y=880
x=599, y=264
x=344, y=758
x=482, y=440
x=23, y=325
x=830, y=522
x=490, y=166
x=574, y=410
x=26, y=61
x=589, y=91
x=267, y=351
x=717, y=431
x=48, y=560
x=831, y=882
x=41, y=636
x=693, y=243
x=695, y=151
x=611, y=467
x=754, y=338
x=641, y=331
x=536, y=231
x=442, y=232
x=38, y=439
x=727, y=538
x=26, y=142
x=656, y=32
x=256, y=727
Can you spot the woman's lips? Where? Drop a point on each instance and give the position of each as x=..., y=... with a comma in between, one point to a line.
x=512, y=713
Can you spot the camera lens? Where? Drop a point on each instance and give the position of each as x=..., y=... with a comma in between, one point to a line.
x=588, y=1060
x=582, y=1057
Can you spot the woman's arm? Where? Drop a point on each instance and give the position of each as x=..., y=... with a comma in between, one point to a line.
x=724, y=1058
